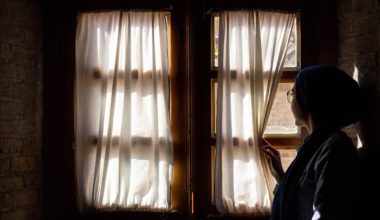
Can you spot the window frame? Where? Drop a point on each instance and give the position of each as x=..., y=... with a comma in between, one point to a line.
x=180, y=193
x=190, y=67
x=144, y=141
x=203, y=197
x=279, y=141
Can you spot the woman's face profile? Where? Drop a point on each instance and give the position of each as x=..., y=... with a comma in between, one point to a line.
x=299, y=115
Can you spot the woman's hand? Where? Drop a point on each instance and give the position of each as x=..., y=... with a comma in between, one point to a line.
x=274, y=160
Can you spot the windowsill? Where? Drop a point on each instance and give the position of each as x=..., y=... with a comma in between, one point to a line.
x=100, y=214
x=166, y=215
x=238, y=216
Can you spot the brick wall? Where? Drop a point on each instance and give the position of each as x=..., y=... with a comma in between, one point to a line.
x=359, y=54
x=20, y=109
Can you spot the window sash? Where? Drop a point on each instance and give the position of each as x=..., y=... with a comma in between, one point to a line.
x=126, y=98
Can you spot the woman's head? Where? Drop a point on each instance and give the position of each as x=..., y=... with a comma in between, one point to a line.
x=328, y=95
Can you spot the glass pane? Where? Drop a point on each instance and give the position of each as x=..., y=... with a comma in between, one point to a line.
x=291, y=54
x=293, y=51
x=281, y=119
x=287, y=156
x=215, y=41
x=213, y=168
x=214, y=92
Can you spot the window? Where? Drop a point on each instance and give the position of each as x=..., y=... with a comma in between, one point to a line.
x=280, y=130
x=124, y=87
x=281, y=120
x=190, y=92
x=123, y=137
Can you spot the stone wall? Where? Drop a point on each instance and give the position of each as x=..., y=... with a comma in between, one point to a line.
x=20, y=109
x=359, y=54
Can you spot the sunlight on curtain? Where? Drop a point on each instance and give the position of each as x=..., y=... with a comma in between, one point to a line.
x=252, y=50
x=124, y=149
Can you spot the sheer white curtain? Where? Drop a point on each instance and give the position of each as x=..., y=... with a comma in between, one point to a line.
x=252, y=53
x=123, y=138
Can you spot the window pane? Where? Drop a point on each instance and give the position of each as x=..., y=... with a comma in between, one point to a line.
x=214, y=92
x=292, y=55
x=213, y=168
x=287, y=156
x=215, y=40
x=122, y=107
x=281, y=119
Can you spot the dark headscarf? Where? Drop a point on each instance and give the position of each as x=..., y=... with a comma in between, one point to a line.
x=329, y=94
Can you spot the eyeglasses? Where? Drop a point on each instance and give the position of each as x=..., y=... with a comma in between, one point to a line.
x=289, y=96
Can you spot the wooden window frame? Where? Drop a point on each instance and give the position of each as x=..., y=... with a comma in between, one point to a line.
x=189, y=75
x=279, y=141
x=178, y=108
x=201, y=86
x=178, y=197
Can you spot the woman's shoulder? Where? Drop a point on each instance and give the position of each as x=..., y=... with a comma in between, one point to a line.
x=338, y=143
x=338, y=149
x=338, y=138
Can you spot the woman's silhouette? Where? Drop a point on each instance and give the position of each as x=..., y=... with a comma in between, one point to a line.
x=319, y=182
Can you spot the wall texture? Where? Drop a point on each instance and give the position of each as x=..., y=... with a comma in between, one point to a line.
x=20, y=109
x=359, y=54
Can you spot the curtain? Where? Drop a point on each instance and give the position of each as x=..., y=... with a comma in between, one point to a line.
x=252, y=53
x=123, y=143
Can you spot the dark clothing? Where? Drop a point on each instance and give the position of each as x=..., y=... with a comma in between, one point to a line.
x=319, y=182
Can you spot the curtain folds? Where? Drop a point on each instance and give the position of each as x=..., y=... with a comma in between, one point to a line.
x=124, y=155
x=252, y=47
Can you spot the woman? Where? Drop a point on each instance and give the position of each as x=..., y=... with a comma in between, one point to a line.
x=319, y=182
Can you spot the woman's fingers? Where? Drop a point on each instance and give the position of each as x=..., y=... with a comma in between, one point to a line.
x=271, y=150
x=268, y=157
x=270, y=154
